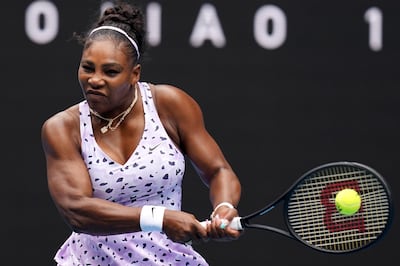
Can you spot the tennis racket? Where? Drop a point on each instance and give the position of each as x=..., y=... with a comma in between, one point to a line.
x=312, y=218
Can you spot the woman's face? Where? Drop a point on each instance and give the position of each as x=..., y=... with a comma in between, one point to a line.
x=107, y=76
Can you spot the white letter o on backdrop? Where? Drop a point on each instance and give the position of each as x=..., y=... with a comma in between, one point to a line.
x=275, y=38
x=48, y=31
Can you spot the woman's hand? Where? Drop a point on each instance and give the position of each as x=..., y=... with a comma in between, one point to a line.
x=218, y=228
x=183, y=227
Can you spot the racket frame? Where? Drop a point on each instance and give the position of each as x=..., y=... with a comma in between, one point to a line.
x=285, y=197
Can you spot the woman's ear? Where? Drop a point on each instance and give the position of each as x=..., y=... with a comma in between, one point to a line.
x=136, y=73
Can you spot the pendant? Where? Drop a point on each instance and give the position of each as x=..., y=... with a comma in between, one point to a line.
x=104, y=129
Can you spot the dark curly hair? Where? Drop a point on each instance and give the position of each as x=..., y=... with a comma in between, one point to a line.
x=125, y=16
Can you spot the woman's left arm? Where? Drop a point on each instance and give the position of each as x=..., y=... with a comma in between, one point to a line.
x=183, y=119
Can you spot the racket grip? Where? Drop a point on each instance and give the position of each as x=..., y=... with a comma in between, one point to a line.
x=235, y=223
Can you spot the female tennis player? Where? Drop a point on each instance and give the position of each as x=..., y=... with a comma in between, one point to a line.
x=116, y=160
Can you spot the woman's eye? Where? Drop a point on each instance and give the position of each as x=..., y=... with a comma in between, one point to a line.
x=87, y=68
x=111, y=72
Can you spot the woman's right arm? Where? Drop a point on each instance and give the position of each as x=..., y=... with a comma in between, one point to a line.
x=71, y=190
x=70, y=185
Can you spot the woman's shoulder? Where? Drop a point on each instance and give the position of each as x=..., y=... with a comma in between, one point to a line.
x=169, y=94
x=65, y=122
x=164, y=89
x=174, y=103
x=63, y=117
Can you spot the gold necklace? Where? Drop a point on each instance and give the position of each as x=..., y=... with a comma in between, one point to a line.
x=111, y=120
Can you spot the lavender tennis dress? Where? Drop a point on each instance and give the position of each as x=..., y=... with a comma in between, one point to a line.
x=152, y=175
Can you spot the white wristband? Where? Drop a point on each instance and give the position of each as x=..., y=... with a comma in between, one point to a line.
x=151, y=218
x=227, y=204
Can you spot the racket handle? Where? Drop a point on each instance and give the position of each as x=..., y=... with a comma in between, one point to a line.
x=235, y=223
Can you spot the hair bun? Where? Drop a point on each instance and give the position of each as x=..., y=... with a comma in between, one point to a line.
x=127, y=17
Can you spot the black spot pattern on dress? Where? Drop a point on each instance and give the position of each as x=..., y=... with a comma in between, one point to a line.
x=150, y=176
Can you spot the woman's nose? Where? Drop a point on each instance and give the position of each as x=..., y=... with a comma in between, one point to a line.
x=96, y=80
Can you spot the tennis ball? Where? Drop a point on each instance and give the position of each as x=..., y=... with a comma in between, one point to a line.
x=348, y=201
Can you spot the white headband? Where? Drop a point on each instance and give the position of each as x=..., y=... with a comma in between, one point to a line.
x=120, y=31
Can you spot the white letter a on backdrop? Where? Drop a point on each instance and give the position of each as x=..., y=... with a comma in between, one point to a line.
x=207, y=27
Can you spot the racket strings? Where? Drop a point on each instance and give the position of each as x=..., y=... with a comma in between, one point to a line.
x=313, y=217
